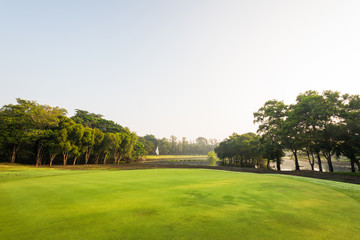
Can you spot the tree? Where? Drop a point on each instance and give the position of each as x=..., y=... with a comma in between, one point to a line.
x=107, y=145
x=271, y=151
x=15, y=121
x=173, y=144
x=93, y=120
x=128, y=144
x=150, y=143
x=240, y=150
x=211, y=158
x=291, y=134
x=88, y=142
x=75, y=137
x=76, y=151
x=28, y=122
x=349, y=130
x=98, y=139
x=310, y=111
x=329, y=139
x=65, y=139
x=117, y=139
x=148, y=146
x=44, y=120
x=271, y=118
x=89, y=120
x=53, y=145
x=139, y=150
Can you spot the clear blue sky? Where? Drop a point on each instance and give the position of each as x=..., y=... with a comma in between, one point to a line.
x=184, y=68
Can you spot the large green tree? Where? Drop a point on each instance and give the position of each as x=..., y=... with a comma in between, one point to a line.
x=14, y=124
x=349, y=130
x=88, y=141
x=271, y=119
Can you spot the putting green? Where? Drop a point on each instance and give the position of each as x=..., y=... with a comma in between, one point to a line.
x=173, y=204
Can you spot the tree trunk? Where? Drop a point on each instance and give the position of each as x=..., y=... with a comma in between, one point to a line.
x=278, y=163
x=311, y=162
x=52, y=157
x=297, y=166
x=13, y=155
x=328, y=158
x=352, y=163
x=97, y=158
x=105, y=159
x=87, y=155
x=319, y=161
x=116, y=157
x=65, y=158
x=357, y=163
x=268, y=164
x=39, y=155
x=74, y=163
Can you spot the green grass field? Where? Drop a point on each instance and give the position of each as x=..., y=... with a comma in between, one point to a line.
x=44, y=203
x=169, y=157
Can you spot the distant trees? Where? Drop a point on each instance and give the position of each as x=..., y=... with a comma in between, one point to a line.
x=211, y=157
x=174, y=146
x=240, y=150
x=35, y=131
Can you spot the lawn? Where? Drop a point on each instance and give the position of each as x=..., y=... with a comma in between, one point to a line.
x=54, y=204
x=169, y=157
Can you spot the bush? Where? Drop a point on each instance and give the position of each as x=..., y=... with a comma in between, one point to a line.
x=212, y=158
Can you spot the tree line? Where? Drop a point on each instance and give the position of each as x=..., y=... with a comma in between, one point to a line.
x=40, y=134
x=175, y=146
x=240, y=150
x=317, y=125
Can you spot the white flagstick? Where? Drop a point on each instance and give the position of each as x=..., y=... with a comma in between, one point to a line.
x=157, y=153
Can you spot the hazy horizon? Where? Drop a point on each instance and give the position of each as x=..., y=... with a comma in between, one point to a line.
x=182, y=68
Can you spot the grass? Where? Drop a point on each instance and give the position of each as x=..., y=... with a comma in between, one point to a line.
x=173, y=157
x=17, y=171
x=55, y=204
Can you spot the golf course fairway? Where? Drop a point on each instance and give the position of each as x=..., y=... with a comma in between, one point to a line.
x=47, y=203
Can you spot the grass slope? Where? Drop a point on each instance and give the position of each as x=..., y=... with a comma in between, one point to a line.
x=173, y=204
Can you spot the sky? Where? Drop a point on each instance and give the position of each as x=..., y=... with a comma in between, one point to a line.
x=179, y=67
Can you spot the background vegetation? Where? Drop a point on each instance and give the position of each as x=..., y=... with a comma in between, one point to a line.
x=318, y=125
x=174, y=146
x=39, y=134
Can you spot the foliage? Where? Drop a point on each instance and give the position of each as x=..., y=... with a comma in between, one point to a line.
x=240, y=150
x=211, y=158
x=174, y=146
x=36, y=130
x=318, y=124
x=139, y=150
x=321, y=125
